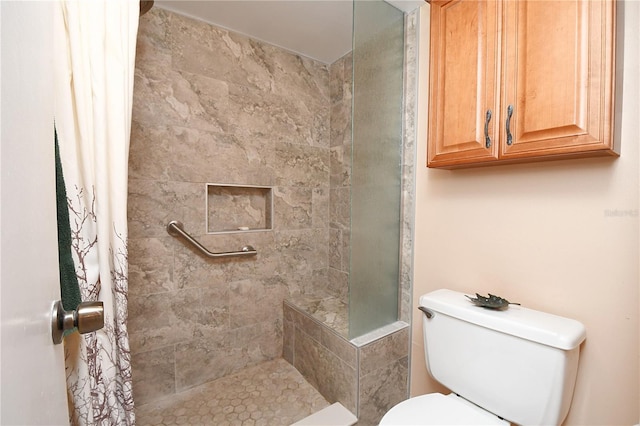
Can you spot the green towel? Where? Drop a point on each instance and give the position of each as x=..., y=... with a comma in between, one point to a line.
x=69, y=289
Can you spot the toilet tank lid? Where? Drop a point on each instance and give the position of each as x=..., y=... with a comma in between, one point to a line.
x=541, y=327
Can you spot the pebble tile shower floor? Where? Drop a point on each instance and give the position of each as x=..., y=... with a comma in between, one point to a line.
x=272, y=393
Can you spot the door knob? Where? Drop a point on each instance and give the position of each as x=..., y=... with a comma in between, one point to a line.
x=88, y=317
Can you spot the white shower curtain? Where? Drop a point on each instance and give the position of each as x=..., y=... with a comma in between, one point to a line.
x=94, y=70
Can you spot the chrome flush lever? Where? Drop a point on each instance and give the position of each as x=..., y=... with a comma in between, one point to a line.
x=426, y=311
x=87, y=318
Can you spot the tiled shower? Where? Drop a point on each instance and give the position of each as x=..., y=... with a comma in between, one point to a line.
x=215, y=107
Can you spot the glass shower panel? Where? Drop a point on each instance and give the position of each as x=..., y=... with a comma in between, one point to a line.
x=378, y=63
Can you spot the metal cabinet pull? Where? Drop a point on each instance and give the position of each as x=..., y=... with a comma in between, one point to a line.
x=487, y=139
x=508, y=124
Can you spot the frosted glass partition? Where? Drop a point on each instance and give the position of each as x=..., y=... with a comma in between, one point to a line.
x=378, y=59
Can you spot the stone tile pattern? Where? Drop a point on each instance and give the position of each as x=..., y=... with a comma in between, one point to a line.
x=212, y=106
x=327, y=360
x=340, y=89
x=408, y=165
x=330, y=311
x=233, y=208
x=383, y=376
x=270, y=393
x=367, y=379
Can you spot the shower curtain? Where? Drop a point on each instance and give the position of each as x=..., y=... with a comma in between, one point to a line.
x=94, y=65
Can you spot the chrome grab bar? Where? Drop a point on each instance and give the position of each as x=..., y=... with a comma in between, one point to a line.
x=175, y=229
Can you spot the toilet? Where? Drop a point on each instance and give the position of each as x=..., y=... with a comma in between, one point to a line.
x=515, y=365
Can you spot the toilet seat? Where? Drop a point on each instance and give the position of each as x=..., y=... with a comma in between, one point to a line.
x=439, y=409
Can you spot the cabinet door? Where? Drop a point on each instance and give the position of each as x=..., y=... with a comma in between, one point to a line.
x=463, y=83
x=558, y=65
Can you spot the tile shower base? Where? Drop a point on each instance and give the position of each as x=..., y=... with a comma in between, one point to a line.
x=368, y=375
x=270, y=393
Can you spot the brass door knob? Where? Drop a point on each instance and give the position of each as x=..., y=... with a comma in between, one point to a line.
x=88, y=317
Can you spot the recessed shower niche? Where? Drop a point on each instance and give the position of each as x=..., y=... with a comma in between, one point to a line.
x=239, y=208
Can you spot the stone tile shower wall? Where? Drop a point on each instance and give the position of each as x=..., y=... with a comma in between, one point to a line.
x=340, y=85
x=214, y=106
x=369, y=374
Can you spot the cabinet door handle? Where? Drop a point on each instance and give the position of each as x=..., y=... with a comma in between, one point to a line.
x=487, y=139
x=508, y=124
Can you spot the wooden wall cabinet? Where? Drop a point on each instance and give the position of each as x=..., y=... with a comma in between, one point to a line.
x=517, y=80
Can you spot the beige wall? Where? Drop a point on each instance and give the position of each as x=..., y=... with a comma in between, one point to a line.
x=561, y=237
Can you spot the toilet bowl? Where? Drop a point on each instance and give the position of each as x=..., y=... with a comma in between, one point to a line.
x=439, y=409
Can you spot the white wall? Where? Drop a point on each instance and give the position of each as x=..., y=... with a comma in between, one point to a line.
x=561, y=237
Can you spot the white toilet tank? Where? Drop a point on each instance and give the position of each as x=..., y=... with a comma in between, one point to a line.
x=519, y=364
